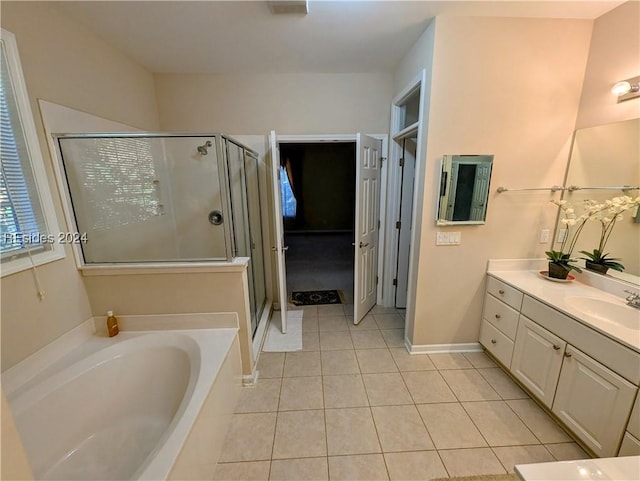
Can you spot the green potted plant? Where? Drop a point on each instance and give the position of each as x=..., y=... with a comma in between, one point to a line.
x=608, y=214
x=559, y=261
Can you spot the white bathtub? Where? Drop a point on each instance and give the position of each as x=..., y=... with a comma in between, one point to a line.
x=142, y=405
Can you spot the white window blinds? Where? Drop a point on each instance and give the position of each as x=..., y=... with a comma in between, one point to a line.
x=21, y=218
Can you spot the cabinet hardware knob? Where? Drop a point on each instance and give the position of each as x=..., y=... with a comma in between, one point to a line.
x=498, y=316
x=567, y=354
x=501, y=291
x=556, y=347
x=493, y=341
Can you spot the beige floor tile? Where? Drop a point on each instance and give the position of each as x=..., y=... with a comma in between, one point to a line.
x=401, y=312
x=307, y=469
x=250, y=438
x=365, y=467
x=453, y=360
x=509, y=456
x=450, y=427
x=307, y=310
x=351, y=431
x=344, y=391
x=566, y=451
x=310, y=341
x=415, y=466
x=301, y=363
x=376, y=360
x=336, y=323
x=263, y=397
x=248, y=471
x=539, y=422
x=467, y=462
x=377, y=309
x=310, y=323
x=400, y=428
x=330, y=310
x=367, y=323
x=335, y=340
x=339, y=362
x=498, y=423
x=393, y=337
x=386, y=389
x=368, y=339
x=301, y=393
x=468, y=385
x=389, y=321
x=300, y=434
x=411, y=362
x=428, y=387
x=502, y=383
x=348, y=309
x=270, y=364
x=479, y=359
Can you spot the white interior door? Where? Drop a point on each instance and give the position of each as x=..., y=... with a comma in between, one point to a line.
x=279, y=247
x=366, y=224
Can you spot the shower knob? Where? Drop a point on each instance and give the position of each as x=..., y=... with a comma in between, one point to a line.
x=215, y=217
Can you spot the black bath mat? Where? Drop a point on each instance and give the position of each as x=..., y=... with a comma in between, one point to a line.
x=312, y=298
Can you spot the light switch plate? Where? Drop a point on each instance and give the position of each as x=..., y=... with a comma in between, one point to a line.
x=562, y=235
x=442, y=238
x=454, y=238
x=544, y=236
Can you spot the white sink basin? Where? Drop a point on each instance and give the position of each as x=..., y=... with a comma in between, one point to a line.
x=609, y=312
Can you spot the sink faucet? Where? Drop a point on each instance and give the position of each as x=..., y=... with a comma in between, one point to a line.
x=633, y=299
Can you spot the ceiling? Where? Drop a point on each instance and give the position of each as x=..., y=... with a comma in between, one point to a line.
x=245, y=37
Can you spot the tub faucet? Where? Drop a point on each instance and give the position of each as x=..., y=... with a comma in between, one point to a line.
x=633, y=299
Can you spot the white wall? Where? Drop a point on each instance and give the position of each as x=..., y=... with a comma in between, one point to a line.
x=66, y=64
x=614, y=55
x=503, y=86
x=287, y=103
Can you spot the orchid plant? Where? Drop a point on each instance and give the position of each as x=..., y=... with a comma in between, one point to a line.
x=608, y=214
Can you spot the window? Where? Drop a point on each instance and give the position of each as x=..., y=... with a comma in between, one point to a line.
x=288, y=199
x=29, y=229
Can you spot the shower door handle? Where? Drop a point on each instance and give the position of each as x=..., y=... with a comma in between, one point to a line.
x=215, y=217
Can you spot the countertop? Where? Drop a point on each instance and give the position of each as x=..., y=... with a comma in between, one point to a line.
x=556, y=294
x=617, y=469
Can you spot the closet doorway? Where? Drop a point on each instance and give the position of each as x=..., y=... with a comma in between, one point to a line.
x=317, y=183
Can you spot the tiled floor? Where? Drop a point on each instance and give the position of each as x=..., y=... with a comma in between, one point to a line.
x=354, y=405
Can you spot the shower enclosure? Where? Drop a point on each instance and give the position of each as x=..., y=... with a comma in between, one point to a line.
x=154, y=198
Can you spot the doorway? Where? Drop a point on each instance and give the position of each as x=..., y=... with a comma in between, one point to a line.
x=317, y=183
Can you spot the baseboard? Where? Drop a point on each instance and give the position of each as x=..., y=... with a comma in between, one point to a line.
x=443, y=348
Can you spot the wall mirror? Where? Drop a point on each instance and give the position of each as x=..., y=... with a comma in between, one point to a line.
x=464, y=189
x=603, y=158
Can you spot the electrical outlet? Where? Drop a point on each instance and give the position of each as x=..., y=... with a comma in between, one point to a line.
x=562, y=235
x=544, y=236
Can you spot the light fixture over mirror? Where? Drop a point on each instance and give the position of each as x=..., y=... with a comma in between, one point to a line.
x=464, y=189
x=627, y=89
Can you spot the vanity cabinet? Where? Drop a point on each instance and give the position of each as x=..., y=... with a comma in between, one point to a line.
x=537, y=359
x=586, y=379
x=593, y=401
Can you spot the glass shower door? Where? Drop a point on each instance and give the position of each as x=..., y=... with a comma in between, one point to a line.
x=146, y=198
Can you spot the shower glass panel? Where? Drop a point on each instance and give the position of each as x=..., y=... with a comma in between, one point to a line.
x=146, y=198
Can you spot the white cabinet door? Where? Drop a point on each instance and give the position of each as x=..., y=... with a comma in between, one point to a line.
x=537, y=358
x=593, y=401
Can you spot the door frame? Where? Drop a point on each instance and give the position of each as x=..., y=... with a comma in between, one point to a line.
x=319, y=138
x=393, y=188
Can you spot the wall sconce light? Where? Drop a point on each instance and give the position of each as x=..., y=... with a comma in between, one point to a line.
x=627, y=89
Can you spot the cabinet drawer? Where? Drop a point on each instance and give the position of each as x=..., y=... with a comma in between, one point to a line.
x=630, y=446
x=504, y=292
x=593, y=401
x=501, y=316
x=496, y=343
